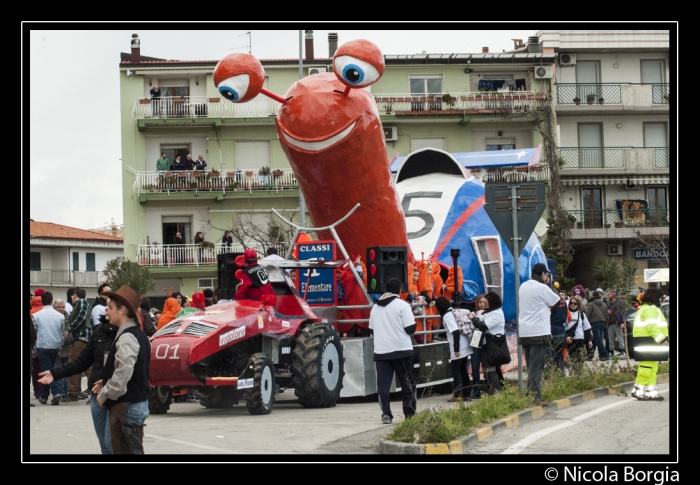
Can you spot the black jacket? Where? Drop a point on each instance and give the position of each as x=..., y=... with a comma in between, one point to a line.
x=137, y=387
x=92, y=355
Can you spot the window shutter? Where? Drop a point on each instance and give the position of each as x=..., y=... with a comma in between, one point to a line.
x=252, y=154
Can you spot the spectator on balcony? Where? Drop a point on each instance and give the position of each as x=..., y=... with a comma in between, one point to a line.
x=162, y=164
x=189, y=163
x=199, y=242
x=200, y=164
x=98, y=308
x=178, y=164
x=155, y=101
x=179, y=246
x=227, y=240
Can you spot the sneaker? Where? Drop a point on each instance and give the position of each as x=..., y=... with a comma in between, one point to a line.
x=638, y=392
x=453, y=399
x=74, y=398
x=652, y=394
x=66, y=398
x=83, y=395
x=386, y=419
x=31, y=405
x=56, y=400
x=43, y=401
x=603, y=359
x=541, y=402
x=192, y=398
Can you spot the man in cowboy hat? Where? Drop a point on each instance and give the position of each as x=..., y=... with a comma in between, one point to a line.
x=123, y=388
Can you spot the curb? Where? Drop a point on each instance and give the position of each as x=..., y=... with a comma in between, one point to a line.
x=457, y=447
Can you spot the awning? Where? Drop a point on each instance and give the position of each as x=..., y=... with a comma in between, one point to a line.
x=598, y=179
x=487, y=159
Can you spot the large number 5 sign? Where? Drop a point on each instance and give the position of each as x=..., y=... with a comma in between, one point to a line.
x=428, y=220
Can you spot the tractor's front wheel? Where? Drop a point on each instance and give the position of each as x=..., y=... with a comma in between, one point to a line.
x=159, y=399
x=260, y=397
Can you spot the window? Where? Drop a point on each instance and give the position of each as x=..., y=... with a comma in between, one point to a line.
x=171, y=151
x=655, y=137
x=89, y=261
x=205, y=283
x=488, y=250
x=423, y=84
x=500, y=144
x=174, y=224
x=653, y=73
x=657, y=208
x=590, y=143
x=76, y=258
x=592, y=207
x=34, y=261
x=418, y=143
x=588, y=79
x=252, y=155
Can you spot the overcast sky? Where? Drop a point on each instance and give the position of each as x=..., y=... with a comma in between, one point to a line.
x=75, y=141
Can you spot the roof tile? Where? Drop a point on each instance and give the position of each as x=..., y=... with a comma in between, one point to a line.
x=49, y=230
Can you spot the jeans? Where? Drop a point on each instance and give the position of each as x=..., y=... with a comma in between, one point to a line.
x=47, y=359
x=616, y=337
x=126, y=427
x=476, y=371
x=535, y=355
x=403, y=368
x=598, y=329
x=100, y=420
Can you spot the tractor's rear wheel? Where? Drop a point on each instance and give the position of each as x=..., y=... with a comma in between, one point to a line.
x=260, y=397
x=318, y=366
x=159, y=399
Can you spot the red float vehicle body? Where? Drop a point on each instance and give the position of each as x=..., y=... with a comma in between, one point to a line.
x=249, y=350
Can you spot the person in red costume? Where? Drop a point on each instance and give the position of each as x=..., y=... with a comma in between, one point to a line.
x=254, y=280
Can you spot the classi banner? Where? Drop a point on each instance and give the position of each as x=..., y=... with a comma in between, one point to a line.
x=318, y=284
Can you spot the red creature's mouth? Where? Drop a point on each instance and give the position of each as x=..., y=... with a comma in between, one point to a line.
x=319, y=145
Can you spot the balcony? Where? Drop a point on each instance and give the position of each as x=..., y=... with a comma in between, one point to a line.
x=191, y=108
x=614, y=95
x=202, y=107
x=462, y=103
x=210, y=181
x=512, y=174
x=64, y=277
x=627, y=158
x=170, y=255
x=622, y=224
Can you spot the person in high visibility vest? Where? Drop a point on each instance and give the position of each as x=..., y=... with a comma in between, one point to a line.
x=650, y=341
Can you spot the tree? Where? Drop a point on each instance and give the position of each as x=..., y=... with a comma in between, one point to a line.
x=121, y=271
x=658, y=243
x=553, y=249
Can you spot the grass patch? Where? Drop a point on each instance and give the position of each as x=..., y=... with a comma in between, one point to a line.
x=444, y=424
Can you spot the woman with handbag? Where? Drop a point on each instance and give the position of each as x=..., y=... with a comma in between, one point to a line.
x=480, y=305
x=495, y=353
x=459, y=351
x=579, y=335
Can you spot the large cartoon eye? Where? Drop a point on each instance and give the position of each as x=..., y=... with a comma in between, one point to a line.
x=235, y=88
x=239, y=77
x=356, y=72
x=358, y=63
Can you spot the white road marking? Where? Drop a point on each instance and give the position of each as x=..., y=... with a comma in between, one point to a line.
x=192, y=445
x=524, y=443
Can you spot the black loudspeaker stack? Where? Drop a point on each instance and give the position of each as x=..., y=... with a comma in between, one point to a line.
x=226, y=268
x=384, y=263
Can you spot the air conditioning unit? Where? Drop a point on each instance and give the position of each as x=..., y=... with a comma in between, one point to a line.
x=316, y=70
x=543, y=72
x=390, y=133
x=614, y=249
x=567, y=59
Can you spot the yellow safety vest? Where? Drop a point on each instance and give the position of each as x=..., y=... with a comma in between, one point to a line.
x=649, y=331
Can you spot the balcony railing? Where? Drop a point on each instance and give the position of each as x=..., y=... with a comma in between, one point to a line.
x=611, y=93
x=47, y=277
x=263, y=107
x=194, y=181
x=512, y=174
x=203, y=107
x=595, y=219
x=510, y=101
x=171, y=255
x=614, y=157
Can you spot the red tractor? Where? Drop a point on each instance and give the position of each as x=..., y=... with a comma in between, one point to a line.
x=250, y=350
